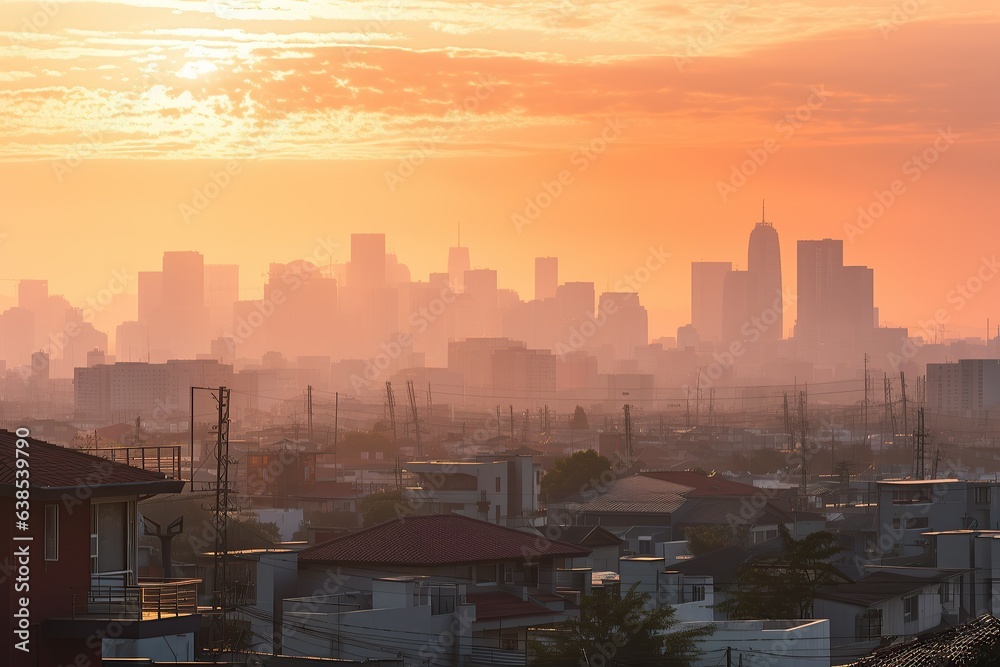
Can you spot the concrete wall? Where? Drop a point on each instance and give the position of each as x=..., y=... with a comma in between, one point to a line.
x=170, y=648
x=772, y=643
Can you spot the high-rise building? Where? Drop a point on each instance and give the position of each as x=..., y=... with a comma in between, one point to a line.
x=836, y=303
x=708, y=280
x=819, y=266
x=764, y=296
x=366, y=269
x=546, y=277
x=222, y=291
x=458, y=264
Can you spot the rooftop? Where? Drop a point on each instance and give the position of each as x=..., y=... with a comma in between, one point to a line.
x=448, y=539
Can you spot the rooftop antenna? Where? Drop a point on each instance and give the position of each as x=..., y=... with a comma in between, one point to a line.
x=762, y=210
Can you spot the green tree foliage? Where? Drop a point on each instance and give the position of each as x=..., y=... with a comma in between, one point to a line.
x=573, y=474
x=381, y=507
x=704, y=539
x=784, y=587
x=618, y=631
x=579, y=419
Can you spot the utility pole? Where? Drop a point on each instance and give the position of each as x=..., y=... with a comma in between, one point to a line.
x=902, y=390
x=222, y=510
x=697, y=399
x=309, y=412
x=512, y=423
x=524, y=433
x=416, y=424
x=391, y=403
x=498, y=421
x=805, y=472
x=336, y=419
x=628, y=437
x=864, y=404
x=729, y=657
x=788, y=423
x=920, y=468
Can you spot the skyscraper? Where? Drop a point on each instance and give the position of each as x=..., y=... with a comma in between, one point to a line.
x=458, y=264
x=546, y=277
x=708, y=281
x=836, y=302
x=764, y=297
x=366, y=269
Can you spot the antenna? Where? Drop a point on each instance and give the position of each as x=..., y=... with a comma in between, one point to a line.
x=762, y=210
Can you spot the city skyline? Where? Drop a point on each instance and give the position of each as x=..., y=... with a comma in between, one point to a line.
x=868, y=124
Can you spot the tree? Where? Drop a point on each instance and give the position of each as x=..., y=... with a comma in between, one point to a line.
x=784, y=587
x=579, y=419
x=704, y=539
x=616, y=631
x=572, y=474
x=381, y=507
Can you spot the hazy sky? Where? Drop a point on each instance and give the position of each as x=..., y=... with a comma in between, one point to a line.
x=666, y=123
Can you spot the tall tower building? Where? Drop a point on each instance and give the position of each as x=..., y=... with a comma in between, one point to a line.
x=458, y=264
x=708, y=280
x=819, y=266
x=764, y=296
x=546, y=277
x=366, y=269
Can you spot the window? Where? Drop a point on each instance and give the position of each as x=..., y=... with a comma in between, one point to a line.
x=364, y=456
x=645, y=546
x=946, y=592
x=911, y=608
x=486, y=574
x=868, y=625
x=910, y=522
x=982, y=495
x=379, y=456
x=698, y=593
x=498, y=485
x=51, y=532
x=910, y=496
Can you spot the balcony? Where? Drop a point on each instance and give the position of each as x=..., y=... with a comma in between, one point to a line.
x=150, y=599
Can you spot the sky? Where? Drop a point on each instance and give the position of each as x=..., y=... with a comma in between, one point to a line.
x=604, y=133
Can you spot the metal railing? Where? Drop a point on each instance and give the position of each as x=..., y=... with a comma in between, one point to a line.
x=149, y=599
x=165, y=459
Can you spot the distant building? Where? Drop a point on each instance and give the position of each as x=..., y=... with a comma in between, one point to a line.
x=969, y=387
x=546, y=277
x=708, y=281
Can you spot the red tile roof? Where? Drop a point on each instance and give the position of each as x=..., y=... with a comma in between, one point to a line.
x=448, y=539
x=55, y=467
x=494, y=605
x=702, y=484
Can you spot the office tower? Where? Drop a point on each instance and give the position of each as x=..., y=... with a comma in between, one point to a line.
x=546, y=277
x=764, y=296
x=735, y=306
x=184, y=317
x=819, y=265
x=222, y=291
x=458, y=264
x=575, y=301
x=366, y=269
x=708, y=281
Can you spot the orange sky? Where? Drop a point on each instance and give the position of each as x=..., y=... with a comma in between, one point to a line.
x=410, y=118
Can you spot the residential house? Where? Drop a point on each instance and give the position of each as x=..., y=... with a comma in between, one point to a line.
x=969, y=644
x=77, y=594
x=431, y=589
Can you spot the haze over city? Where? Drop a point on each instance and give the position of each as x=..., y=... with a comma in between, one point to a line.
x=538, y=333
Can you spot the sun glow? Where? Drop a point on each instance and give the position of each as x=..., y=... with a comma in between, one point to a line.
x=195, y=68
